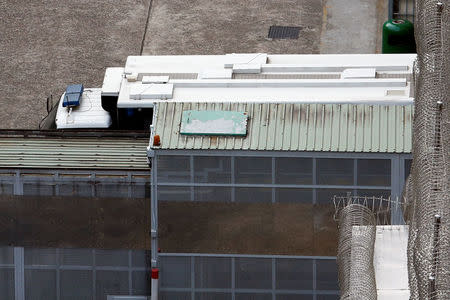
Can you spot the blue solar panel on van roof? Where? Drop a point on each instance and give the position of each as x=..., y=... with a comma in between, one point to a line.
x=73, y=95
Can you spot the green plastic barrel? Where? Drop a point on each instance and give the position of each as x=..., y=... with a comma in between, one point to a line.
x=398, y=37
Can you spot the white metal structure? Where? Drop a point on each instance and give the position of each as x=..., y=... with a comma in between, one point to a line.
x=390, y=262
x=89, y=114
x=244, y=78
x=260, y=77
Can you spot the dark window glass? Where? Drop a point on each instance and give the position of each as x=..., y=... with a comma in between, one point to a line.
x=111, y=257
x=212, y=194
x=76, y=285
x=326, y=274
x=76, y=257
x=293, y=195
x=294, y=274
x=253, y=169
x=327, y=297
x=6, y=283
x=253, y=273
x=175, y=272
x=140, y=258
x=408, y=164
x=40, y=256
x=374, y=172
x=290, y=170
x=76, y=189
x=40, y=284
x=140, y=190
x=212, y=169
x=335, y=171
x=174, y=193
x=6, y=188
x=141, y=283
x=6, y=255
x=165, y=295
x=38, y=189
x=294, y=297
x=374, y=193
x=110, y=283
x=324, y=196
x=174, y=169
x=254, y=195
x=111, y=190
x=212, y=296
x=253, y=296
x=212, y=272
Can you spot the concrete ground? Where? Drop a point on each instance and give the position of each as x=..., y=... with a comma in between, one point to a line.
x=218, y=27
x=45, y=45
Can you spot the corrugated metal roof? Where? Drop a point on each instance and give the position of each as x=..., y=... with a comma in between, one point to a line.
x=297, y=127
x=73, y=153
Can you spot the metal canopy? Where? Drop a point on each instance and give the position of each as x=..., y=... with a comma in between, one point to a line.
x=296, y=127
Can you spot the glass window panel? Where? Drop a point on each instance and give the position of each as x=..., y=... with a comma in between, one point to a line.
x=165, y=295
x=254, y=194
x=291, y=170
x=327, y=276
x=212, y=272
x=376, y=193
x=140, y=258
x=212, y=194
x=141, y=283
x=212, y=296
x=175, y=272
x=293, y=195
x=212, y=169
x=6, y=255
x=335, y=171
x=76, y=285
x=174, y=169
x=111, y=257
x=253, y=273
x=110, y=283
x=140, y=190
x=294, y=274
x=113, y=190
x=174, y=193
x=253, y=296
x=294, y=297
x=80, y=189
x=40, y=284
x=6, y=188
x=327, y=297
x=38, y=256
x=6, y=283
x=408, y=164
x=325, y=196
x=374, y=172
x=76, y=257
x=253, y=169
x=38, y=189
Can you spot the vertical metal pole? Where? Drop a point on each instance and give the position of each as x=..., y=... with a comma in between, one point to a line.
x=233, y=278
x=233, y=180
x=274, y=279
x=273, y=179
x=19, y=273
x=314, y=272
x=396, y=191
x=192, y=262
x=391, y=9
x=154, y=213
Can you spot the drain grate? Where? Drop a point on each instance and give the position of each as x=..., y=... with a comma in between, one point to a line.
x=284, y=32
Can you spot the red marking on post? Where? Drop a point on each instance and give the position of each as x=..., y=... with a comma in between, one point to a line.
x=155, y=273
